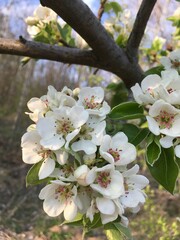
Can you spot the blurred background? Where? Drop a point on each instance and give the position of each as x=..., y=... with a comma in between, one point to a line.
x=21, y=214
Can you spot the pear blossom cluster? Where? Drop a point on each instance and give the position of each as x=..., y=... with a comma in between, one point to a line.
x=87, y=169
x=161, y=97
x=41, y=17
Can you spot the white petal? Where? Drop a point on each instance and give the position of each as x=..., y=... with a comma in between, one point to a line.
x=70, y=211
x=127, y=155
x=70, y=137
x=78, y=116
x=84, y=145
x=46, y=168
x=137, y=91
x=105, y=206
x=53, y=207
x=108, y=218
x=119, y=140
x=47, y=191
x=177, y=151
x=91, y=176
x=166, y=142
x=150, y=82
x=53, y=143
x=132, y=171
x=46, y=127
x=153, y=125
x=61, y=156
x=138, y=181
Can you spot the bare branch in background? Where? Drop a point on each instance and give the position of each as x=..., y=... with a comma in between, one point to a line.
x=139, y=27
x=101, y=9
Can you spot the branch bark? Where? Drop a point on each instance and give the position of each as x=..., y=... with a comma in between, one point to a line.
x=105, y=54
x=78, y=15
x=46, y=51
x=141, y=21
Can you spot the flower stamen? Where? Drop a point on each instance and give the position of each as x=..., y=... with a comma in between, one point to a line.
x=104, y=179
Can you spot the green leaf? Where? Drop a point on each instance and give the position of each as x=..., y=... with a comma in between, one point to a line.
x=32, y=177
x=135, y=134
x=116, y=7
x=153, y=150
x=113, y=6
x=121, y=40
x=78, y=221
x=155, y=70
x=96, y=223
x=115, y=231
x=165, y=170
x=119, y=93
x=127, y=110
x=25, y=60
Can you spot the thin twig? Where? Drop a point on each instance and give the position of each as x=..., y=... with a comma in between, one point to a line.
x=101, y=9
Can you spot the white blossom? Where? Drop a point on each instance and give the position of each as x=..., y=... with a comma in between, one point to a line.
x=164, y=119
x=33, y=152
x=117, y=150
x=61, y=127
x=173, y=61
x=92, y=99
x=134, y=184
x=106, y=180
x=90, y=136
x=60, y=197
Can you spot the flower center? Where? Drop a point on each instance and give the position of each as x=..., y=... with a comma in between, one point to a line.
x=175, y=63
x=43, y=153
x=165, y=119
x=85, y=132
x=115, y=154
x=67, y=170
x=63, y=192
x=170, y=90
x=64, y=126
x=104, y=179
x=91, y=104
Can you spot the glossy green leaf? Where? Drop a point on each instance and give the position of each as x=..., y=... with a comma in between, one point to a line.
x=165, y=170
x=135, y=134
x=119, y=93
x=153, y=149
x=115, y=231
x=155, y=70
x=32, y=175
x=127, y=110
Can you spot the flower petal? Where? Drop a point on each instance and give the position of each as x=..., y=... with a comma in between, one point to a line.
x=46, y=168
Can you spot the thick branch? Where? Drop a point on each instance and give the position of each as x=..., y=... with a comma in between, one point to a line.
x=139, y=27
x=78, y=15
x=45, y=51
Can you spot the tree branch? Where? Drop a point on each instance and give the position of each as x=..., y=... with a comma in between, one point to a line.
x=101, y=9
x=79, y=16
x=139, y=27
x=46, y=51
